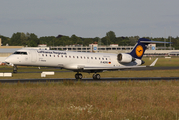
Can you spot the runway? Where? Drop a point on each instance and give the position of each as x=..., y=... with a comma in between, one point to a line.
x=87, y=79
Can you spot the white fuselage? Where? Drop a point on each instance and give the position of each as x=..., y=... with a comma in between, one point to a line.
x=65, y=59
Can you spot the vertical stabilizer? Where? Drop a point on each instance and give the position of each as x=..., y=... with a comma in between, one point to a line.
x=140, y=48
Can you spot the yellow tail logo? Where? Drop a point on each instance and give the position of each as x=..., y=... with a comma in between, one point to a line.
x=139, y=51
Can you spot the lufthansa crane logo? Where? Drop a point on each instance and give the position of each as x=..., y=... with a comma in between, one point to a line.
x=139, y=50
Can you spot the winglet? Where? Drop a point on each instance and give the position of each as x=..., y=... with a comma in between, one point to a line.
x=153, y=64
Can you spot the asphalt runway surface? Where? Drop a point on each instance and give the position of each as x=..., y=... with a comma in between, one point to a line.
x=87, y=79
x=90, y=79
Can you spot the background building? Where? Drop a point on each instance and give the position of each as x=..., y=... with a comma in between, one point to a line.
x=152, y=50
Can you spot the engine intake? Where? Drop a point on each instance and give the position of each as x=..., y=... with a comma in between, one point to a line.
x=124, y=58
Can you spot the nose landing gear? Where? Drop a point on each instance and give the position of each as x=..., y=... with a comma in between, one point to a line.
x=14, y=69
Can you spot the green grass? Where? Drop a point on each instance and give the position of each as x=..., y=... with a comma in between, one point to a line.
x=173, y=61
x=153, y=100
x=123, y=100
x=110, y=74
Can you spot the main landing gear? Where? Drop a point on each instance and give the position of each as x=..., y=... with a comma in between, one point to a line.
x=80, y=76
x=14, y=69
x=96, y=76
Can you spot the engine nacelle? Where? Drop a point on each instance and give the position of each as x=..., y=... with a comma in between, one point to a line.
x=124, y=58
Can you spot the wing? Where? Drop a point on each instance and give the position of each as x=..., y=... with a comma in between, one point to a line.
x=85, y=68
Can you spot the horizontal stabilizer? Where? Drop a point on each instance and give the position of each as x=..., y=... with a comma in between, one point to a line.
x=153, y=64
x=155, y=42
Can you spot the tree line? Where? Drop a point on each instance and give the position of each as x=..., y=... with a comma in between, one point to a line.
x=31, y=40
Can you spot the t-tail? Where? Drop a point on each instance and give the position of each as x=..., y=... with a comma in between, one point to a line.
x=141, y=46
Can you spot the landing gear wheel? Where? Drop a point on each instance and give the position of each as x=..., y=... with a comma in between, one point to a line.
x=14, y=71
x=78, y=76
x=96, y=76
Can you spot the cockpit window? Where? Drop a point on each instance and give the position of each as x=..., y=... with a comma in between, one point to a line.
x=20, y=53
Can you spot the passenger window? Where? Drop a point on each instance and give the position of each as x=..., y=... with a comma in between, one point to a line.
x=99, y=58
x=61, y=55
x=73, y=56
x=84, y=57
x=103, y=58
x=91, y=57
x=69, y=56
x=106, y=58
x=81, y=57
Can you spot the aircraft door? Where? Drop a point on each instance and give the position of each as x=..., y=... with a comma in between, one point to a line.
x=33, y=56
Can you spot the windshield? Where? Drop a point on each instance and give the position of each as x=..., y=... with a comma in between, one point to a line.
x=20, y=53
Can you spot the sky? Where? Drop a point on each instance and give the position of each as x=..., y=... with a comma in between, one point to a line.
x=90, y=18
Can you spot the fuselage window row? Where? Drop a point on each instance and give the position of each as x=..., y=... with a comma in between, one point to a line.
x=67, y=56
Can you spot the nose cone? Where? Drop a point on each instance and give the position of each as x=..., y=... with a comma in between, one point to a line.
x=9, y=61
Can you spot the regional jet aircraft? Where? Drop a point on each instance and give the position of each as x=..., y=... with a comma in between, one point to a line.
x=81, y=61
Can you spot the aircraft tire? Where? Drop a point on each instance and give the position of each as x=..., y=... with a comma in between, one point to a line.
x=14, y=71
x=96, y=76
x=78, y=76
